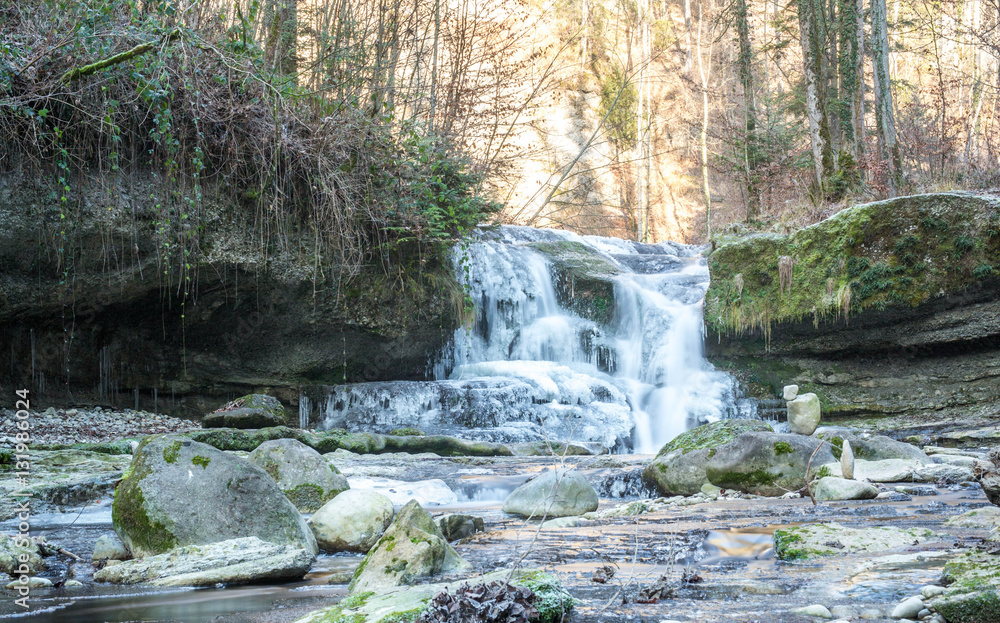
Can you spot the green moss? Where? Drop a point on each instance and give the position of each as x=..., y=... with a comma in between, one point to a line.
x=782, y=447
x=744, y=481
x=170, y=452
x=407, y=616
x=823, y=472
x=899, y=252
x=712, y=435
x=356, y=601
x=552, y=600
x=977, y=607
x=201, y=460
x=128, y=511
x=407, y=432
x=308, y=497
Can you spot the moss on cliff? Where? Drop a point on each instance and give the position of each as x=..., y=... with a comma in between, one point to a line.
x=900, y=252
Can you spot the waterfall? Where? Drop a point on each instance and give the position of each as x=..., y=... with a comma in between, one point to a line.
x=625, y=374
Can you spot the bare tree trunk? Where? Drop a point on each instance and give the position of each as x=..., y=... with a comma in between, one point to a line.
x=819, y=132
x=282, y=29
x=704, y=73
x=885, y=119
x=751, y=146
x=687, y=36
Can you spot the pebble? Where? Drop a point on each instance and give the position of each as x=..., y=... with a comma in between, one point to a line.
x=871, y=614
x=72, y=583
x=924, y=614
x=932, y=590
x=815, y=610
x=908, y=608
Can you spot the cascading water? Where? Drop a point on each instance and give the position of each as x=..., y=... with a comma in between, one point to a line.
x=631, y=376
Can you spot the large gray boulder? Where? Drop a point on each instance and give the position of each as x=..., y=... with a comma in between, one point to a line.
x=252, y=411
x=412, y=548
x=833, y=488
x=804, y=414
x=553, y=493
x=868, y=447
x=237, y=561
x=679, y=467
x=179, y=492
x=352, y=522
x=766, y=463
x=303, y=475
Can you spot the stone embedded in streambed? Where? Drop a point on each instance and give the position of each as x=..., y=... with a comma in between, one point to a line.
x=769, y=464
x=235, y=561
x=303, y=475
x=411, y=548
x=987, y=517
x=252, y=411
x=455, y=526
x=16, y=551
x=679, y=467
x=832, y=488
x=847, y=460
x=352, y=522
x=553, y=493
x=110, y=548
x=816, y=540
x=803, y=414
x=179, y=492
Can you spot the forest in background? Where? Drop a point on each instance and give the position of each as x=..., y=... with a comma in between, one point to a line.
x=385, y=126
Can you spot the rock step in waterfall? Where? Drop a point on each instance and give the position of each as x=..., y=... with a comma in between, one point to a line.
x=575, y=338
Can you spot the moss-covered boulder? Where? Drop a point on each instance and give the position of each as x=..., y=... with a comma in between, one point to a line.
x=303, y=475
x=337, y=439
x=835, y=488
x=766, y=463
x=16, y=551
x=179, y=492
x=973, y=594
x=411, y=548
x=252, y=411
x=679, y=467
x=816, y=540
x=583, y=278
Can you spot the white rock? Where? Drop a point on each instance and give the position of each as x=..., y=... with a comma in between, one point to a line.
x=815, y=610
x=33, y=582
x=908, y=608
x=791, y=391
x=352, y=522
x=833, y=488
x=932, y=590
x=948, y=473
x=886, y=470
x=951, y=459
x=871, y=614
x=847, y=461
x=804, y=414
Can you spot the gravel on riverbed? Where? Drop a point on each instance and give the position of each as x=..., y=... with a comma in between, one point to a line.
x=90, y=425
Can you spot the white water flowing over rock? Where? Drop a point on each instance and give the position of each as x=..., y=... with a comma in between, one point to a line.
x=529, y=369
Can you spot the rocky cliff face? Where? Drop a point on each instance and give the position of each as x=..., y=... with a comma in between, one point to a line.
x=890, y=308
x=91, y=307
